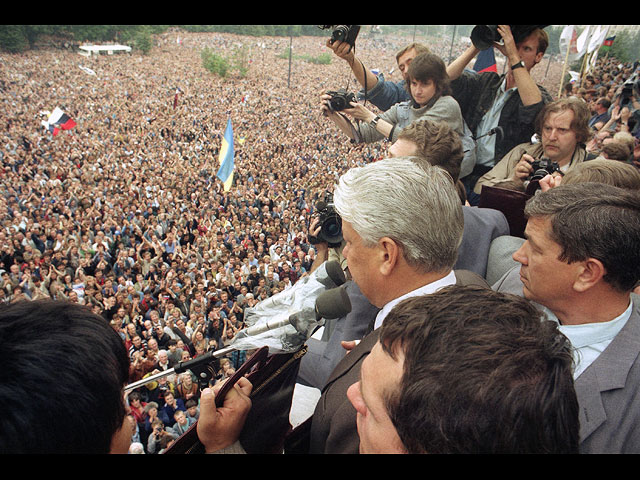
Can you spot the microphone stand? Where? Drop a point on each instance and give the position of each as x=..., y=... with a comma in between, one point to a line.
x=493, y=131
x=332, y=303
x=200, y=366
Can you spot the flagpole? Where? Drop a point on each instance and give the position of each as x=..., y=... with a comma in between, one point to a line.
x=584, y=62
x=453, y=37
x=290, y=52
x=564, y=68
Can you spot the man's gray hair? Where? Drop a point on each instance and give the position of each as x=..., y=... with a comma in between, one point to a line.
x=416, y=206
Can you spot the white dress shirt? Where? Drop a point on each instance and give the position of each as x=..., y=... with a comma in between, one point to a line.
x=589, y=340
x=432, y=287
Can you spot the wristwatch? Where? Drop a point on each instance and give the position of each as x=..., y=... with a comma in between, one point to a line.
x=374, y=122
x=520, y=64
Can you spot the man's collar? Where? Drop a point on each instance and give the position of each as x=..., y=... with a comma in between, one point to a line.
x=449, y=279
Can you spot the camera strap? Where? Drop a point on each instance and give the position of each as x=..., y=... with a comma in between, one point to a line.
x=364, y=71
x=357, y=138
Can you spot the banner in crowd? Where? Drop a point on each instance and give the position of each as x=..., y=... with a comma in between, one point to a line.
x=568, y=43
x=598, y=38
x=87, y=70
x=225, y=173
x=58, y=120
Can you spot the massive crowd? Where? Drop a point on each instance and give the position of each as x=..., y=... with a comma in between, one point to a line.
x=124, y=212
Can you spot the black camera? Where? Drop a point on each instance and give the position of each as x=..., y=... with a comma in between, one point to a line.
x=343, y=33
x=483, y=36
x=340, y=99
x=330, y=222
x=629, y=88
x=541, y=168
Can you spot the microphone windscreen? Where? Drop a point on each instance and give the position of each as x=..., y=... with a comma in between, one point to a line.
x=333, y=303
x=335, y=272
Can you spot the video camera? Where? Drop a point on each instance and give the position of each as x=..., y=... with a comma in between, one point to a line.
x=340, y=99
x=483, y=36
x=629, y=88
x=343, y=33
x=330, y=222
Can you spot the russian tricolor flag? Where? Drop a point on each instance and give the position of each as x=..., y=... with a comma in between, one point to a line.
x=485, y=61
x=58, y=120
x=225, y=173
x=61, y=119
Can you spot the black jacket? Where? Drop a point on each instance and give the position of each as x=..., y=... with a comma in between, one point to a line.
x=475, y=93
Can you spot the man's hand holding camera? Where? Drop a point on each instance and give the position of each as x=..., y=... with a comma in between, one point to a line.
x=523, y=168
x=508, y=45
x=342, y=50
x=159, y=431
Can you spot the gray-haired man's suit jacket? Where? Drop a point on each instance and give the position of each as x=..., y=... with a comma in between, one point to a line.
x=609, y=389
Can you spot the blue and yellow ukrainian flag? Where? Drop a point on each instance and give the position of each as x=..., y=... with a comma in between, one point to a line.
x=225, y=173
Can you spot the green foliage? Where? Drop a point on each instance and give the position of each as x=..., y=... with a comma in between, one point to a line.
x=18, y=38
x=626, y=46
x=13, y=38
x=258, y=30
x=240, y=61
x=214, y=63
x=322, y=59
x=237, y=62
x=142, y=41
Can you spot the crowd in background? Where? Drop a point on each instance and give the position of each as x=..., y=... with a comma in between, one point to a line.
x=615, y=120
x=124, y=212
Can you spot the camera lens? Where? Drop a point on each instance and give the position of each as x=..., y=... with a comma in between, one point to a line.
x=332, y=229
x=483, y=36
x=337, y=104
x=340, y=33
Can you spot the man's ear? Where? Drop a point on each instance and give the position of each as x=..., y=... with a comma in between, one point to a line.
x=389, y=252
x=589, y=273
x=538, y=58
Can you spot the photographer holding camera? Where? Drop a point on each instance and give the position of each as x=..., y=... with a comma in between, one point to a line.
x=428, y=85
x=325, y=234
x=380, y=92
x=563, y=129
x=510, y=101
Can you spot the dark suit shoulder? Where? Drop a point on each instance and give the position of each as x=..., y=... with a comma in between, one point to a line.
x=467, y=277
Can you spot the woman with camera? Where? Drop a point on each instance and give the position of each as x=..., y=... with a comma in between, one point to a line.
x=428, y=85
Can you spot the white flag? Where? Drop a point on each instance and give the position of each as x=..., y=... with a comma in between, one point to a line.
x=568, y=39
x=598, y=43
x=593, y=40
x=583, y=42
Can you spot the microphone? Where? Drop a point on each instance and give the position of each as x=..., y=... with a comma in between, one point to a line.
x=493, y=131
x=332, y=303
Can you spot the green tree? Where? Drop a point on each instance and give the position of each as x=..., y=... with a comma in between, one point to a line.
x=143, y=41
x=214, y=63
x=13, y=38
x=626, y=46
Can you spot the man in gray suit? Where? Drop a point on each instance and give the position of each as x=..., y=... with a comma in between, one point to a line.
x=402, y=224
x=580, y=263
